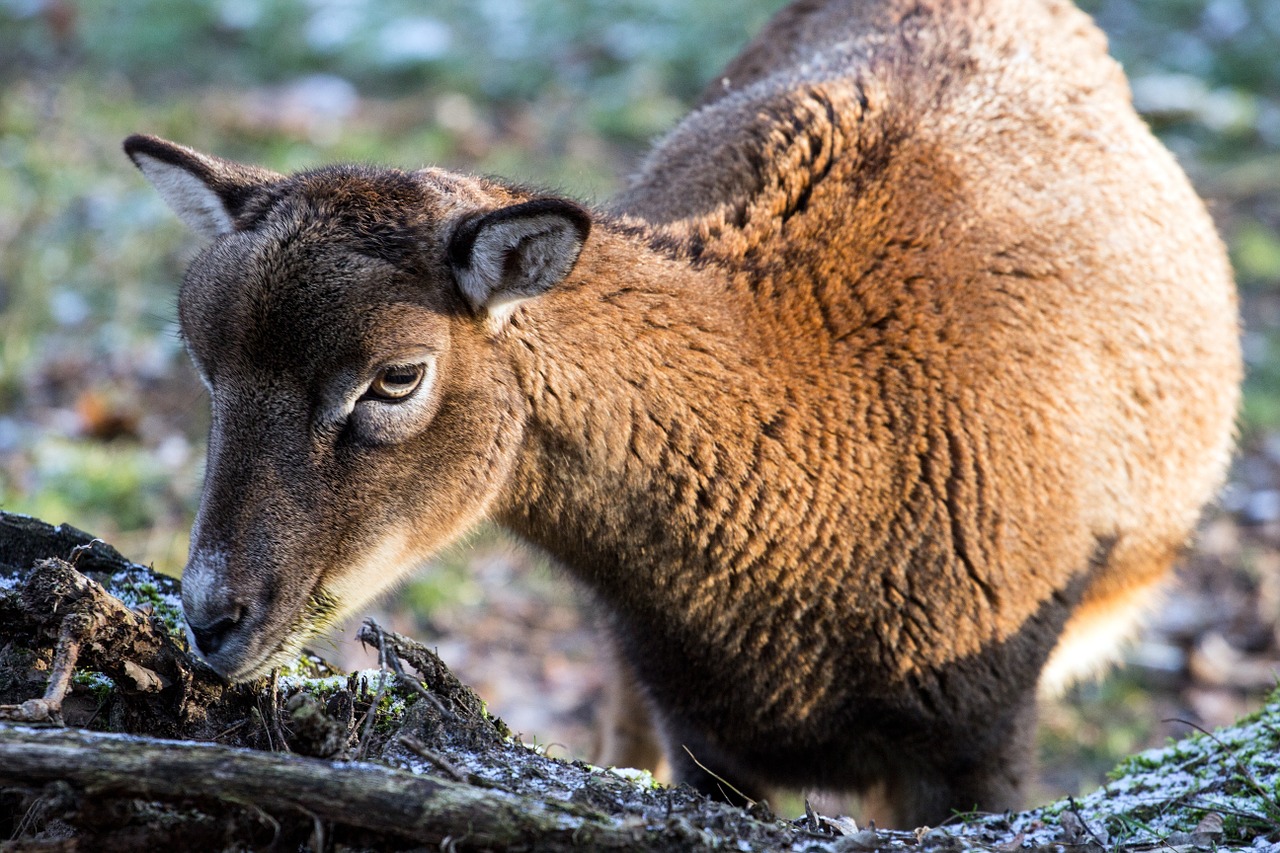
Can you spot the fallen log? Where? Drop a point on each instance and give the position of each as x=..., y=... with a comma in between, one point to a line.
x=387, y=802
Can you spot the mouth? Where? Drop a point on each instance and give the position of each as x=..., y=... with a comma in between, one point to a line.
x=250, y=661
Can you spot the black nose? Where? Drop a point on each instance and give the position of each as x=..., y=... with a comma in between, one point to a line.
x=209, y=639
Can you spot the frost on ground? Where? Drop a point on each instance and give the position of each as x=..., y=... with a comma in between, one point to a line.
x=1210, y=789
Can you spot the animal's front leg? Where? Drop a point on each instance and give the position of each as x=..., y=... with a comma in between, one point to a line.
x=986, y=771
x=625, y=732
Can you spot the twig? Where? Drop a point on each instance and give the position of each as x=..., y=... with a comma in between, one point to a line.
x=393, y=657
x=48, y=708
x=266, y=726
x=366, y=736
x=1075, y=810
x=79, y=551
x=274, y=708
x=235, y=727
x=419, y=749
x=750, y=802
x=1268, y=799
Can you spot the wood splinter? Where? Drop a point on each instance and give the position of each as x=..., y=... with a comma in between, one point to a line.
x=48, y=708
x=94, y=630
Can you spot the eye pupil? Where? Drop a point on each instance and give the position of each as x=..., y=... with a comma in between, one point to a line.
x=395, y=382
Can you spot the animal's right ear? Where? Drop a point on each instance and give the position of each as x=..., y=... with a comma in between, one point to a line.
x=206, y=192
x=508, y=255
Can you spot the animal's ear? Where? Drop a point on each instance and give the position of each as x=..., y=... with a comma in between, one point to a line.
x=206, y=192
x=508, y=255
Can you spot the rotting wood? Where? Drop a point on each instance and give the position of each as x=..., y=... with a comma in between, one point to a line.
x=153, y=676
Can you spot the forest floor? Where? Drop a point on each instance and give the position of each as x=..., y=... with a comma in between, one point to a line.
x=159, y=752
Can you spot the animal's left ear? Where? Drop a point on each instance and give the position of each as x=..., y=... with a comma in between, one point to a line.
x=511, y=254
x=208, y=193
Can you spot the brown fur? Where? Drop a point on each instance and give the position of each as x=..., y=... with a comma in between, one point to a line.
x=905, y=346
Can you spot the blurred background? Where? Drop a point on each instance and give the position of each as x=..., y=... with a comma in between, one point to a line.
x=102, y=421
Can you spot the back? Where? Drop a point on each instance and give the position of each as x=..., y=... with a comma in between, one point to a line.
x=949, y=220
x=963, y=186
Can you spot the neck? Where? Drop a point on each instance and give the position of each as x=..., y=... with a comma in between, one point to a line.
x=673, y=460
x=646, y=397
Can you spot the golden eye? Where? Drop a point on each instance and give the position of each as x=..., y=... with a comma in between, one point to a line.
x=395, y=382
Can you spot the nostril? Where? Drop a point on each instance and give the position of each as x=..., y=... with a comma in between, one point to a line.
x=210, y=638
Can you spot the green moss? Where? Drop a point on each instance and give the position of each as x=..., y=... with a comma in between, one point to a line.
x=389, y=713
x=163, y=605
x=363, y=686
x=308, y=666
x=1140, y=763
x=1234, y=772
x=97, y=684
x=642, y=778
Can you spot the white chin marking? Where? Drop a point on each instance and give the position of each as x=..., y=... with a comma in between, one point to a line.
x=381, y=568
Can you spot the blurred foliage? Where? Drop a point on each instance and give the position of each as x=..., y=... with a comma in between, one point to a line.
x=1082, y=738
x=604, y=59
x=101, y=420
x=1205, y=73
